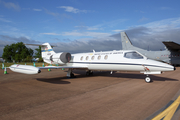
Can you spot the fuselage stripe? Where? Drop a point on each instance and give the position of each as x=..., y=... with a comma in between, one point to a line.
x=120, y=64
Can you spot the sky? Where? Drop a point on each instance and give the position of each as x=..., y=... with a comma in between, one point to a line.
x=84, y=25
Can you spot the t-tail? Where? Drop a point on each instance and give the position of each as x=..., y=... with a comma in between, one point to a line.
x=50, y=57
x=47, y=52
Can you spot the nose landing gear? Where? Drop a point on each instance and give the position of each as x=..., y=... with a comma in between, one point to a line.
x=148, y=79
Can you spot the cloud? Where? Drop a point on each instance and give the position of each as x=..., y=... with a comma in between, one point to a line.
x=143, y=19
x=152, y=34
x=144, y=36
x=81, y=34
x=163, y=25
x=90, y=34
x=4, y=20
x=17, y=39
x=72, y=9
x=50, y=33
x=51, y=13
x=138, y=35
x=165, y=8
x=86, y=31
x=38, y=10
x=100, y=44
x=58, y=16
x=87, y=28
x=102, y=26
x=10, y=5
x=117, y=30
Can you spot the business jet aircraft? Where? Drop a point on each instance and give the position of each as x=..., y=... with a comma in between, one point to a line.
x=122, y=60
x=171, y=55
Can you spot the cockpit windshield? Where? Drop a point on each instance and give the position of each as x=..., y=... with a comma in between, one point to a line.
x=133, y=55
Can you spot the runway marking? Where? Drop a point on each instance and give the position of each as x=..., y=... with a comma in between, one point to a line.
x=168, y=113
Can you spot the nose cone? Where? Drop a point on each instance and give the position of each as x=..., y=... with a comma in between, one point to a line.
x=168, y=67
x=160, y=66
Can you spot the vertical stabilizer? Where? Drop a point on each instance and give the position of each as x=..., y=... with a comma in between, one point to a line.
x=46, y=50
x=126, y=43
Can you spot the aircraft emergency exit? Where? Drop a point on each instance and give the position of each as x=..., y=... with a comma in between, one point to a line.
x=121, y=60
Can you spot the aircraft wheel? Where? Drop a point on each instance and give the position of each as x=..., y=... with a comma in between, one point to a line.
x=148, y=79
x=89, y=73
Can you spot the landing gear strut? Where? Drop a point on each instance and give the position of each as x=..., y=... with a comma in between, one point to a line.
x=70, y=74
x=148, y=79
x=89, y=72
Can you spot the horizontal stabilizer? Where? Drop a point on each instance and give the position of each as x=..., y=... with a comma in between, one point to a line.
x=39, y=45
x=172, y=45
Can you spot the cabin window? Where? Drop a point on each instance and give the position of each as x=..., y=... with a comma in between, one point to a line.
x=133, y=55
x=87, y=57
x=106, y=57
x=81, y=58
x=99, y=57
x=92, y=58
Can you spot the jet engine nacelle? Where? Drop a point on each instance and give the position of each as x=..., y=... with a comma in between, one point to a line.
x=61, y=58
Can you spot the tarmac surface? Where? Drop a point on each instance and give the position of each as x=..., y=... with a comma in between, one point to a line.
x=51, y=96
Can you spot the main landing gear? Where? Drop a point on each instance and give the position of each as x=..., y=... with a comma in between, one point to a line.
x=148, y=79
x=70, y=74
x=89, y=72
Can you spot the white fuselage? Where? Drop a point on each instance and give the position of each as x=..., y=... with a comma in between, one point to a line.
x=117, y=61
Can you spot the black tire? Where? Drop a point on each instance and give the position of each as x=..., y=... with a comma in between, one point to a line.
x=148, y=79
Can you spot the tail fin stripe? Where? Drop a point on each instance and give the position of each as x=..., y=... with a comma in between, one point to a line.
x=47, y=50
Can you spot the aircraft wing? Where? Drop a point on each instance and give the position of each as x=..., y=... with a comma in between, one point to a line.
x=172, y=45
x=59, y=67
x=28, y=69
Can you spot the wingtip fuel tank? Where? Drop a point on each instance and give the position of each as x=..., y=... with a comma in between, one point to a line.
x=26, y=69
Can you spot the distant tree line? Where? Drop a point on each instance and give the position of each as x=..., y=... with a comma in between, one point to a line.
x=20, y=53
